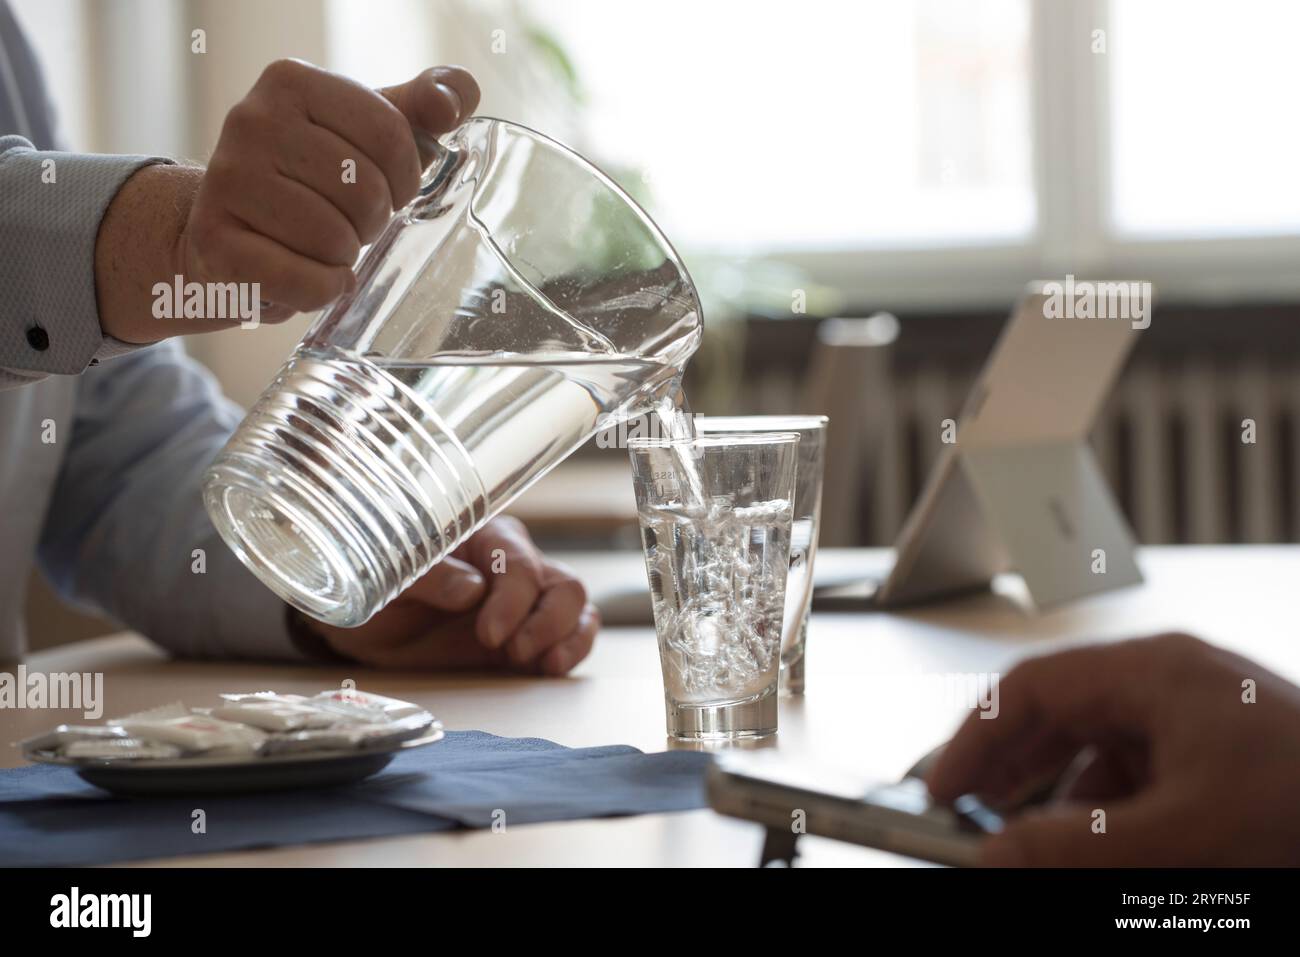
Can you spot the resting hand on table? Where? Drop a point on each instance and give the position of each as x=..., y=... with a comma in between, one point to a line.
x=1155, y=733
x=497, y=602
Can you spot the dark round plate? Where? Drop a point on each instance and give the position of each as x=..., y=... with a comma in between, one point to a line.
x=233, y=776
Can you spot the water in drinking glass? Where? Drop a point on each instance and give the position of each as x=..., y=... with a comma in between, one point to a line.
x=807, y=512
x=718, y=578
x=715, y=514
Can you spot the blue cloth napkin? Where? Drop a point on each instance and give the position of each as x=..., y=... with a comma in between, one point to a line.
x=49, y=816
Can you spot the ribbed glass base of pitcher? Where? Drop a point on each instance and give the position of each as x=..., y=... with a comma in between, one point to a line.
x=340, y=489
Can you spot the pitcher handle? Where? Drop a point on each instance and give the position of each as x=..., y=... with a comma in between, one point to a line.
x=438, y=162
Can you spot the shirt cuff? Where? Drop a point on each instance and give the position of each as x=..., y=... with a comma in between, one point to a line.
x=51, y=205
x=111, y=348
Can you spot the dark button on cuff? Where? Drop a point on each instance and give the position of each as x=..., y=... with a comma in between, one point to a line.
x=38, y=338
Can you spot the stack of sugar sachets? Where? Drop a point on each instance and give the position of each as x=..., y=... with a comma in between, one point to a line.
x=250, y=724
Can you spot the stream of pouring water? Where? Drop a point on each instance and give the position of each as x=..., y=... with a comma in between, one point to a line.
x=679, y=424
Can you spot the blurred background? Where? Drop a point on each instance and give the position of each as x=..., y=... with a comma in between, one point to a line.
x=860, y=190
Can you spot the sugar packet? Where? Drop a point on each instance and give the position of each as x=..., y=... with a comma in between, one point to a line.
x=351, y=737
x=272, y=712
x=65, y=734
x=120, y=749
x=194, y=733
x=364, y=706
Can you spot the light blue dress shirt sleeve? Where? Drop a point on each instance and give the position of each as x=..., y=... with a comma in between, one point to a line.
x=51, y=204
x=126, y=533
x=112, y=511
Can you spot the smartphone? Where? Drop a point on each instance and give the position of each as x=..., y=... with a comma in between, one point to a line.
x=785, y=794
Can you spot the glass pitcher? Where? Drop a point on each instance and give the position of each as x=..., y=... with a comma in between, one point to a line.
x=520, y=300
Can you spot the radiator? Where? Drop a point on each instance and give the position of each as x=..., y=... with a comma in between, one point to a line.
x=1170, y=441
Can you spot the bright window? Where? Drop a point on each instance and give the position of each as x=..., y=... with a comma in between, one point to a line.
x=1205, y=137
x=773, y=125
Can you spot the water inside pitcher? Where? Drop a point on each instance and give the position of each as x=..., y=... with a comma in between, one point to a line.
x=520, y=302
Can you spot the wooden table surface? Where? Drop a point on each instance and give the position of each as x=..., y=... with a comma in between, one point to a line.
x=871, y=701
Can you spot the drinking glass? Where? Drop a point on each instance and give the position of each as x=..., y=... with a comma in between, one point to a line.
x=517, y=301
x=715, y=514
x=807, y=519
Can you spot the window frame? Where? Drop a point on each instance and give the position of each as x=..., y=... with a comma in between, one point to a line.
x=1070, y=127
